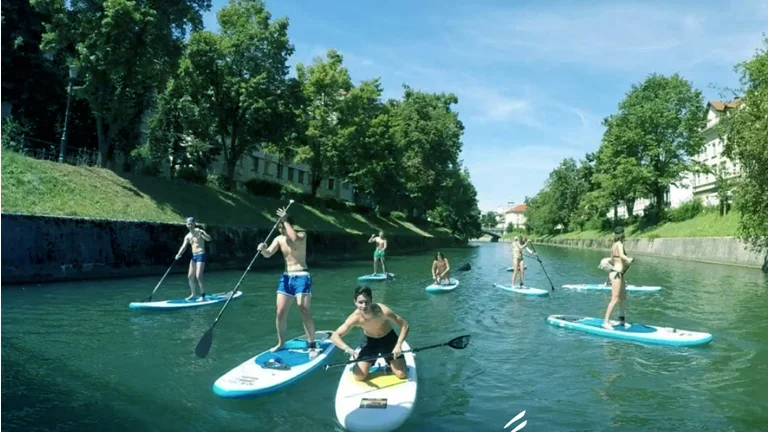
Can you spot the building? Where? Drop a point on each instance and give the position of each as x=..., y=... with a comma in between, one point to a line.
x=264, y=166
x=515, y=216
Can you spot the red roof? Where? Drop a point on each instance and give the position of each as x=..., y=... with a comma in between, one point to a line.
x=520, y=208
x=722, y=105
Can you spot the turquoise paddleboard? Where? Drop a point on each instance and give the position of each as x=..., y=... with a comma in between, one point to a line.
x=635, y=332
x=601, y=287
x=183, y=303
x=376, y=277
x=443, y=286
x=524, y=290
x=270, y=371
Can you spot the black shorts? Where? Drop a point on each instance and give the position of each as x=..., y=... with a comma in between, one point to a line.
x=379, y=347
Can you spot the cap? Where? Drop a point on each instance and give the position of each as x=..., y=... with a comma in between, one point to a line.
x=190, y=219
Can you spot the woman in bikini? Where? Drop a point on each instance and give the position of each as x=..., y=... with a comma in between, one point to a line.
x=616, y=276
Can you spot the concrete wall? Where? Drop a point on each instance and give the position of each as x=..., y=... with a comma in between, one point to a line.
x=720, y=250
x=37, y=249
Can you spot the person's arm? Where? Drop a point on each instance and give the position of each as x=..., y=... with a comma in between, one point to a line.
x=372, y=239
x=622, y=255
x=434, y=269
x=183, y=246
x=385, y=245
x=403, y=324
x=447, y=267
x=204, y=235
x=267, y=252
x=338, y=334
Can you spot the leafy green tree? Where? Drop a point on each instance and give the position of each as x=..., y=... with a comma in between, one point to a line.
x=489, y=219
x=659, y=125
x=746, y=133
x=457, y=206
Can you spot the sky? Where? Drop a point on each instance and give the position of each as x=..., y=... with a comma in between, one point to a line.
x=534, y=79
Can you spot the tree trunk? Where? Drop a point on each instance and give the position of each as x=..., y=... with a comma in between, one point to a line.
x=231, y=162
x=316, y=179
x=629, y=204
x=103, y=138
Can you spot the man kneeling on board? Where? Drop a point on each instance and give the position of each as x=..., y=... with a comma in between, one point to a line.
x=374, y=319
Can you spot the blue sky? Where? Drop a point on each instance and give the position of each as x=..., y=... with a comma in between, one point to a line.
x=534, y=78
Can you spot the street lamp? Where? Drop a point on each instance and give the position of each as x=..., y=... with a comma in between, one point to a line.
x=73, y=71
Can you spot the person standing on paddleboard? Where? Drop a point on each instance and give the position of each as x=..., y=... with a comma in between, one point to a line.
x=295, y=282
x=196, y=238
x=378, y=254
x=617, y=267
x=441, y=268
x=518, y=265
x=381, y=338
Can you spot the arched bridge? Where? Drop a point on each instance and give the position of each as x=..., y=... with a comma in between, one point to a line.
x=495, y=233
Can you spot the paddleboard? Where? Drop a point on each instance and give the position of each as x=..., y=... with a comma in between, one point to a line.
x=376, y=277
x=183, y=303
x=511, y=269
x=380, y=403
x=270, y=371
x=635, y=332
x=443, y=287
x=601, y=287
x=524, y=290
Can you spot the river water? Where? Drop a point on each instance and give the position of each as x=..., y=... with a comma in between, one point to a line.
x=74, y=357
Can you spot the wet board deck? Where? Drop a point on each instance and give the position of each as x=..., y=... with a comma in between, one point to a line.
x=635, y=332
x=210, y=299
x=524, y=290
x=443, y=287
x=268, y=371
x=376, y=277
x=601, y=287
x=380, y=403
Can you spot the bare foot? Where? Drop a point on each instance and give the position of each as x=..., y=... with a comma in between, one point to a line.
x=607, y=326
x=277, y=347
x=190, y=297
x=312, y=353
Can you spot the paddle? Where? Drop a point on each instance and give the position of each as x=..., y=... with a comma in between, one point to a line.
x=460, y=342
x=204, y=345
x=161, y=281
x=464, y=268
x=542, y=267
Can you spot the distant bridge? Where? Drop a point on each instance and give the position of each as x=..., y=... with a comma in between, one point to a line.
x=495, y=233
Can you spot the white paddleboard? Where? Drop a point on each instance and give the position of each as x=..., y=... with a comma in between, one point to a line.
x=634, y=332
x=380, y=403
x=183, y=303
x=443, y=286
x=376, y=277
x=601, y=287
x=524, y=290
x=270, y=371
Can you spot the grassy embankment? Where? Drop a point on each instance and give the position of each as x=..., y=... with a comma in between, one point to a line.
x=38, y=187
x=707, y=224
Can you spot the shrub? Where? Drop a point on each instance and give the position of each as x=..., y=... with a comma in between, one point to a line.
x=398, y=215
x=191, y=175
x=216, y=181
x=263, y=188
x=688, y=210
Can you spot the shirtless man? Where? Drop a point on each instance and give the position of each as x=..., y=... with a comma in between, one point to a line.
x=441, y=268
x=517, y=260
x=375, y=320
x=295, y=282
x=378, y=254
x=196, y=238
x=616, y=276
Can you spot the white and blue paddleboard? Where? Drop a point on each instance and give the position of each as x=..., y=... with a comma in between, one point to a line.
x=601, y=287
x=524, y=290
x=271, y=371
x=184, y=304
x=443, y=286
x=635, y=332
x=376, y=277
x=380, y=403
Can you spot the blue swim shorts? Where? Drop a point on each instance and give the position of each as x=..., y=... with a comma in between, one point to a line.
x=295, y=283
x=199, y=258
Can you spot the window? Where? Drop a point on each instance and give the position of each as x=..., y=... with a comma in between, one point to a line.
x=301, y=176
x=256, y=162
x=290, y=173
x=345, y=185
x=330, y=184
x=279, y=171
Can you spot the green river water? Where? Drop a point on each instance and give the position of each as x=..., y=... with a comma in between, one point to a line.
x=75, y=358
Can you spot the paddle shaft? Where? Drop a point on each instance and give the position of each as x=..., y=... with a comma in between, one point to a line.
x=247, y=270
x=390, y=354
x=465, y=267
x=161, y=281
x=551, y=285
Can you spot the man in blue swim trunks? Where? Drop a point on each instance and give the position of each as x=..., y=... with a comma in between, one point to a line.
x=295, y=282
x=196, y=238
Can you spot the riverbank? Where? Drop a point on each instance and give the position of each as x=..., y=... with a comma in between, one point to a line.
x=38, y=249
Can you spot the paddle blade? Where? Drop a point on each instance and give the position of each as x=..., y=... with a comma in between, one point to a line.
x=460, y=342
x=205, y=344
x=465, y=267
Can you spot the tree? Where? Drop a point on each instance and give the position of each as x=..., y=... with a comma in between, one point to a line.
x=237, y=80
x=124, y=49
x=566, y=186
x=324, y=85
x=746, y=133
x=659, y=125
x=428, y=135
x=457, y=205
x=541, y=213
x=489, y=219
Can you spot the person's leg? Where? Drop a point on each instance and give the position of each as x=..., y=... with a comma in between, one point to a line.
x=522, y=272
x=623, y=302
x=615, y=287
x=304, y=302
x=515, y=268
x=191, y=279
x=360, y=371
x=399, y=367
x=284, y=301
x=199, y=274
